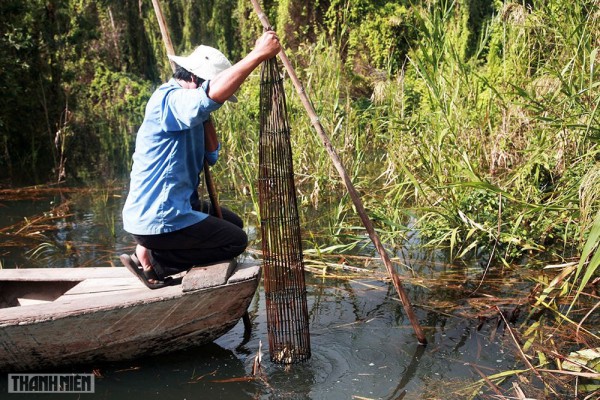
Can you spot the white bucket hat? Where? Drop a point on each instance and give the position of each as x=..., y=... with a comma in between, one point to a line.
x=205, y=62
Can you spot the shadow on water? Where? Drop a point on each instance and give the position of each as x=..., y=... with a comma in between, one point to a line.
x=363, y=345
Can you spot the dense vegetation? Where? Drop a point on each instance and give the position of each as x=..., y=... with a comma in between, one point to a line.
x=474, y=121
x=482, y=112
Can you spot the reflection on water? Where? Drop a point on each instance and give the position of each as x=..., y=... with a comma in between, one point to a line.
x=363, y=345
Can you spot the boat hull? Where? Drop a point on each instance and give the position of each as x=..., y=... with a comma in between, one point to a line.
x=87, y=328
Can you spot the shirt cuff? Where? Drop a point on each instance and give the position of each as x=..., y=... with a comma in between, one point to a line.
x=212, y=156
x=204, y=87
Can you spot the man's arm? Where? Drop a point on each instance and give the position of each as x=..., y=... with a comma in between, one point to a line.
x=224, y=85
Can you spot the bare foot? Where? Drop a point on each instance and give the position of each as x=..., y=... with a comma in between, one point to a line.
x=144, y=257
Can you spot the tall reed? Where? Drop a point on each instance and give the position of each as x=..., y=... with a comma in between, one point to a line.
x=485, y=139
x=493, y=147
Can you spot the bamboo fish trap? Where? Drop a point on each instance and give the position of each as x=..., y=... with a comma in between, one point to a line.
x=283, y=264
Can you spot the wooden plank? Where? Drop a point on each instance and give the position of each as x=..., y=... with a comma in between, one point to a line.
x=208, y=276
x=62, y=274
x=31, y=302
x=72, y=305
x=104, y=285
x=90, y=298
x=245, y=272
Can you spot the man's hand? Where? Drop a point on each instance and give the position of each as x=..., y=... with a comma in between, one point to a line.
x=227, y=82
x=267, y=46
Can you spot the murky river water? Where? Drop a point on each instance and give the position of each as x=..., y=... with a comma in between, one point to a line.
x=363, y=346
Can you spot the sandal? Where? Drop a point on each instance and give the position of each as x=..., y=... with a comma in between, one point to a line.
x=132, y=264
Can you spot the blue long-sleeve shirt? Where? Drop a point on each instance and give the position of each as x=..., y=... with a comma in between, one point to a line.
x=169, y=155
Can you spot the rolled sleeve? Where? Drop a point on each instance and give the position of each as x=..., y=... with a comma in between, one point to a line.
x=186, y=108
x=211, y=157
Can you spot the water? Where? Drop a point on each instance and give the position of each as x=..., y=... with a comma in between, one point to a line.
x=363, y=346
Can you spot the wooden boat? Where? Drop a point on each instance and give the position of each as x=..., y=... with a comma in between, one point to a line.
x=64, y=316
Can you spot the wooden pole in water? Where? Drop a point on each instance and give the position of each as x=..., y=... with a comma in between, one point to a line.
x=397, y=281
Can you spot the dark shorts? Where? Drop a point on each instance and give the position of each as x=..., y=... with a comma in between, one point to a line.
x=207, y=242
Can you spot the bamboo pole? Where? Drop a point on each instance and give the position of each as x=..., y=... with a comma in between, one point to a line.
x=397, y=281
x=164, y=31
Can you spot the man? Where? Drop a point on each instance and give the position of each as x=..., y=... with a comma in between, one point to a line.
x=172, y=228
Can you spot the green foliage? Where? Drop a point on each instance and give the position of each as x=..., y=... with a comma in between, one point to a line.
x=119, y=92
x=113, y=108
x=19, y=62
x=480, y=115
x=514, y=126
x=382, y=39
x=50, y=51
